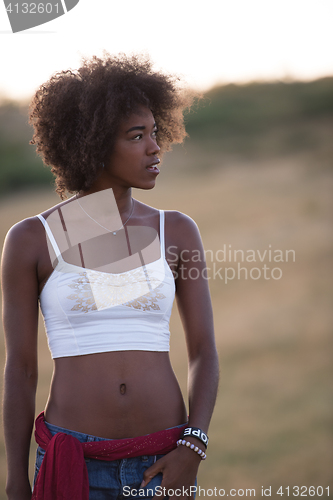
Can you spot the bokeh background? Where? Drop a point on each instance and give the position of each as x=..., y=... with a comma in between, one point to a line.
x=256, y=173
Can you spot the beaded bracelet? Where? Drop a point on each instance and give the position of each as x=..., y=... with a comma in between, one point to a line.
x=192, y=447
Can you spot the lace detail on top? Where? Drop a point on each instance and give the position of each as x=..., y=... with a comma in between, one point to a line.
x=96, y=291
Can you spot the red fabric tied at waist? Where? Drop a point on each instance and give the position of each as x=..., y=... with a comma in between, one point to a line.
x=63, y=473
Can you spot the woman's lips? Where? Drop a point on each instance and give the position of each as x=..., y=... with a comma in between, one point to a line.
x=153, y=167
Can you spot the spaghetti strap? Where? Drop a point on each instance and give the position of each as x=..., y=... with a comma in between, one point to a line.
x=162, y=233
x=51, y=237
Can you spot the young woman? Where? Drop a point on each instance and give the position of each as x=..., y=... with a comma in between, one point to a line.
x=101, y=266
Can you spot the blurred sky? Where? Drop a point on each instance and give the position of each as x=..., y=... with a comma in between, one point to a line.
x=208, y=42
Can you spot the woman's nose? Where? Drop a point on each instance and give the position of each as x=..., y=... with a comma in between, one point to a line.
x=153, y=147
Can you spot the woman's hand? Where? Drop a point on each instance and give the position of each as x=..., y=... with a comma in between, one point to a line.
x=179, y=469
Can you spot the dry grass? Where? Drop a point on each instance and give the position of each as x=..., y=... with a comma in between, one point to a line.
x=272, y=424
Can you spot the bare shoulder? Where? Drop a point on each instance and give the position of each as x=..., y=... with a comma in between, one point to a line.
x=19, y=276
x=24, y=242
x=30, y=231
x=25, y=230
x=21, y=252
x=180, y=219
x=183, y=228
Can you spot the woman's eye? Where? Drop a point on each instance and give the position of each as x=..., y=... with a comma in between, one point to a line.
x=139, y=136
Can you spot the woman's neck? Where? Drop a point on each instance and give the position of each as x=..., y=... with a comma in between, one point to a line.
x=122, y=196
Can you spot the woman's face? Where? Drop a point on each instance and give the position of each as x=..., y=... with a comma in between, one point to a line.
x=133, y=161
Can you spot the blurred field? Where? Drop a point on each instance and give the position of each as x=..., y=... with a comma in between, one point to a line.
x=273, y=420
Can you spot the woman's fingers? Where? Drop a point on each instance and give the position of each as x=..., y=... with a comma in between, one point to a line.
x=151, y=472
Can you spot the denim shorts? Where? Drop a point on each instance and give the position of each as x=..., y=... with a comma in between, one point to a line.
x=114, y=480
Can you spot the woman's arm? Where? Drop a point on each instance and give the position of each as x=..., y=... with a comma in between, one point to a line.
x=195, y=309
x=20, y=317
x=193, y=298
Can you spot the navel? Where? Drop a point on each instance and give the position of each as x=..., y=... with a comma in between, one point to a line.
x=122, y=388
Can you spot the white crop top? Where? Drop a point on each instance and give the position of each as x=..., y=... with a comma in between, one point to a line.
x=87, y=311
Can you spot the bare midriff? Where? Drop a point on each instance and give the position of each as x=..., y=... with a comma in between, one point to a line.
x=115, y=395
